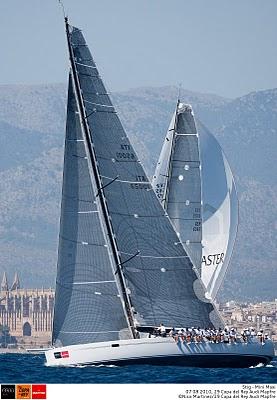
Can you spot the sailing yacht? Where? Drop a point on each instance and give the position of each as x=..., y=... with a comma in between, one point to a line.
x=120, y=273
x=195, y=185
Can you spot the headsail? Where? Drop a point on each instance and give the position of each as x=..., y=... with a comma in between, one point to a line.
x=195, y=185
x=161, y=283
x=179, y=173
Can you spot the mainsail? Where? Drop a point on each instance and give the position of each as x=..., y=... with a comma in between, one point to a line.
x=87, y=305
x=153, y=273
x=194, y=184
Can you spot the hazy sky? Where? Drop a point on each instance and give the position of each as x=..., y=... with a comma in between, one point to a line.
x=226, y=47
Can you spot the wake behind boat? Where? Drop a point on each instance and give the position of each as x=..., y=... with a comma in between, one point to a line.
x=119, y=268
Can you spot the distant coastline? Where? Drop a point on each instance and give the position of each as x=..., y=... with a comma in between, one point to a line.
x=5, y=350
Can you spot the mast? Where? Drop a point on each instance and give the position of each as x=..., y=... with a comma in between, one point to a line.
x=99, y=186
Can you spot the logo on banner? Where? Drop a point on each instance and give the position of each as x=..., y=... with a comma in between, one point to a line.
x=61, y=354
x=23, y=391
x=7, y=391
x=38, y=391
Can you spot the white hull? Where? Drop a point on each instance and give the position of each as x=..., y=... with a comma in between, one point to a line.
x=162, y=351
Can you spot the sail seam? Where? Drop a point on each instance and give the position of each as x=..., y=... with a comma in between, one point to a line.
x=90, y=76
x=98, y=104
x=190, y=242
x=119, y=180
x=76, y=155
x=95, y=93
x=186, y=219
x=95, y=111
x=80, y=212
x=137, y=215
x=85, y=65
x=186, y=134
x=91, y=283
x=184, y=202
x=78, y=45
x=171, y=257
x=88, y=212
x=194, y=161
x=124, y=161
x=78, y=199
x=83, y=243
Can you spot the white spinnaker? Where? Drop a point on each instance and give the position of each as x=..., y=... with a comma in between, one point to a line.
x=215, y=239
x=219, y=211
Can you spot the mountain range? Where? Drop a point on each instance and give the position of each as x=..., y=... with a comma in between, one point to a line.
x=32, y=119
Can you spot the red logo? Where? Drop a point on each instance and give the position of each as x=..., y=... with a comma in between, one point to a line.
x=38, y=391
x=65, y=354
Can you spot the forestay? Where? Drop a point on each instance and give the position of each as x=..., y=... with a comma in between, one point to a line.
x=162, y=285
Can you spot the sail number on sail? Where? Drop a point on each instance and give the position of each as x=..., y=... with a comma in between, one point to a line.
x=160, y=190
x=142, y=183
x=125, y=154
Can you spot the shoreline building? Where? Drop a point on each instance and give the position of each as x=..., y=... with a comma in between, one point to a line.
x=28, y=313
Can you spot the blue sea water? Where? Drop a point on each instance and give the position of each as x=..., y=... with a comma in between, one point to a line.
x=29, y=368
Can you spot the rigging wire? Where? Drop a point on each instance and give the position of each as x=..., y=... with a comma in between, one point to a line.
x=179, y=91
x=124, y=262
x=107, y=184
x=62, y=8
